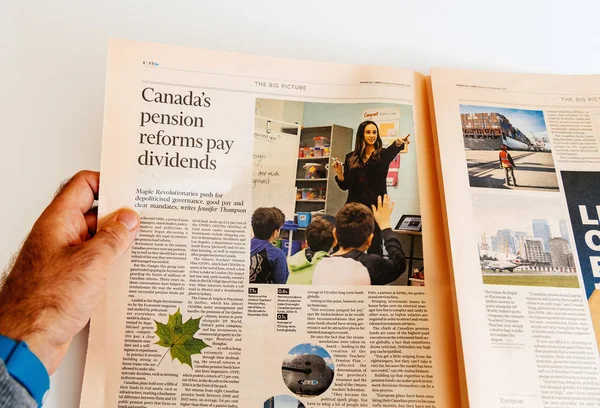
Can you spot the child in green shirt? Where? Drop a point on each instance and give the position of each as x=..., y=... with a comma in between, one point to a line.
x=320, y=240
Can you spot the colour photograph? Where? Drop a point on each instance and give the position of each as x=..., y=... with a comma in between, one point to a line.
x=308, y=370
x=283, y=401
x=507, y=148
x=335, y=195
x=524, y=240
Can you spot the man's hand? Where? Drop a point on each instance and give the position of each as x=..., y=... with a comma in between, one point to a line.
x=383, y=212
x=60, y=273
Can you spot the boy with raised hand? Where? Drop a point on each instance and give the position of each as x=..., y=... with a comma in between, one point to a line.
x=354, y=232
x=267, y=262
x=320, y=240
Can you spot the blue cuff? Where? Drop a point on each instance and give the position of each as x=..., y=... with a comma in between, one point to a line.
x=25, y=367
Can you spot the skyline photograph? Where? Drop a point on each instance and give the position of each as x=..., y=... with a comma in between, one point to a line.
x=495, y=212
x=523, y=240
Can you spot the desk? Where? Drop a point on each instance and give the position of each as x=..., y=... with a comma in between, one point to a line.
x=413, y=235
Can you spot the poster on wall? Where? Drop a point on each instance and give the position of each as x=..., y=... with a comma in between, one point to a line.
x=388, y=122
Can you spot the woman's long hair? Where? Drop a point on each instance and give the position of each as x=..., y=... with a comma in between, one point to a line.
x=358, y=156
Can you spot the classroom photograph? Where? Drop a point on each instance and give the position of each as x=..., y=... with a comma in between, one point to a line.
x=335, y=195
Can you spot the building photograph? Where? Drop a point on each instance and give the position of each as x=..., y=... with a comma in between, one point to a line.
x=507, y=148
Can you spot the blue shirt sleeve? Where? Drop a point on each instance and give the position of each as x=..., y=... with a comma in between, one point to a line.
x=281, y=268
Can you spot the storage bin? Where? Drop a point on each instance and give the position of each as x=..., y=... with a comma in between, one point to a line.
x=309, y=194
x=304, y=219
x=314, y=171
x=296, y=245
x=321, y=194
x=321, y=141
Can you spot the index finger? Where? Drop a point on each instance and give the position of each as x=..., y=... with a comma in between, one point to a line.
x=79, y=192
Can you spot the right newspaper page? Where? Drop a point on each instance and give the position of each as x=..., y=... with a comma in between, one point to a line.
x=520, y=165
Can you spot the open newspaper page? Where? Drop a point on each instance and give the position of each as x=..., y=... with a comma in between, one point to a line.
x=520, y=162
x=247, y=285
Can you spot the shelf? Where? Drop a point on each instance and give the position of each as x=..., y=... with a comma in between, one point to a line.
x=314, y=158
x=340, y=143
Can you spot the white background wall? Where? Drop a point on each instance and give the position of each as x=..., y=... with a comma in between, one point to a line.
x=53, y=58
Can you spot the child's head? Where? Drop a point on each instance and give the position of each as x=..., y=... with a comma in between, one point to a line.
x=280, y=216
x=319, y=235
x=266, y=221
x=354, y=226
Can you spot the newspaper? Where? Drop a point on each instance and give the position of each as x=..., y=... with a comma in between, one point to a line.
x=197, y=142
x=520, y=163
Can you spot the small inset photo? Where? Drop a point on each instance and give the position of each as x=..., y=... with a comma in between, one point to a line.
x=507, y=148
x=283, y=401
x=524, y=240
x=308, y=370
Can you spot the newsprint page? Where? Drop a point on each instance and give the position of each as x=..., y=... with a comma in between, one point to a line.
x=520, y=158
x=235, y=293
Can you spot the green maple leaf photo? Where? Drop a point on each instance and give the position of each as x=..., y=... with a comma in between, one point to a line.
x=179, y=338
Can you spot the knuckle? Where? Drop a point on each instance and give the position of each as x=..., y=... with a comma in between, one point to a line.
x=76, y=177
x=80, y=174
x=85, y=174
x=62, y=186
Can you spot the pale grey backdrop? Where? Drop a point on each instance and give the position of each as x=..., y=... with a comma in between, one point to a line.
x=53, y=54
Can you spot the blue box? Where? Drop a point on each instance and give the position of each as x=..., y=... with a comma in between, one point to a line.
x=296, y=246
x=304, y=219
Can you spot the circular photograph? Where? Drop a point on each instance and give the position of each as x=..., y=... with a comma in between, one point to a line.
x=283, y=401
x=307, y=370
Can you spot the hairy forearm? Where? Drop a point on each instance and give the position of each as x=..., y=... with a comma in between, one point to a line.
x=26, y=305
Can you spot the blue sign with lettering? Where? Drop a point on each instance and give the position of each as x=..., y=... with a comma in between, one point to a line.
x=582, y=191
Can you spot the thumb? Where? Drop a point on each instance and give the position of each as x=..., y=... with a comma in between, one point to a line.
x=115, y=234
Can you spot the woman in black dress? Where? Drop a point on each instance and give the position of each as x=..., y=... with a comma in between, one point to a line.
x=365, y=170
